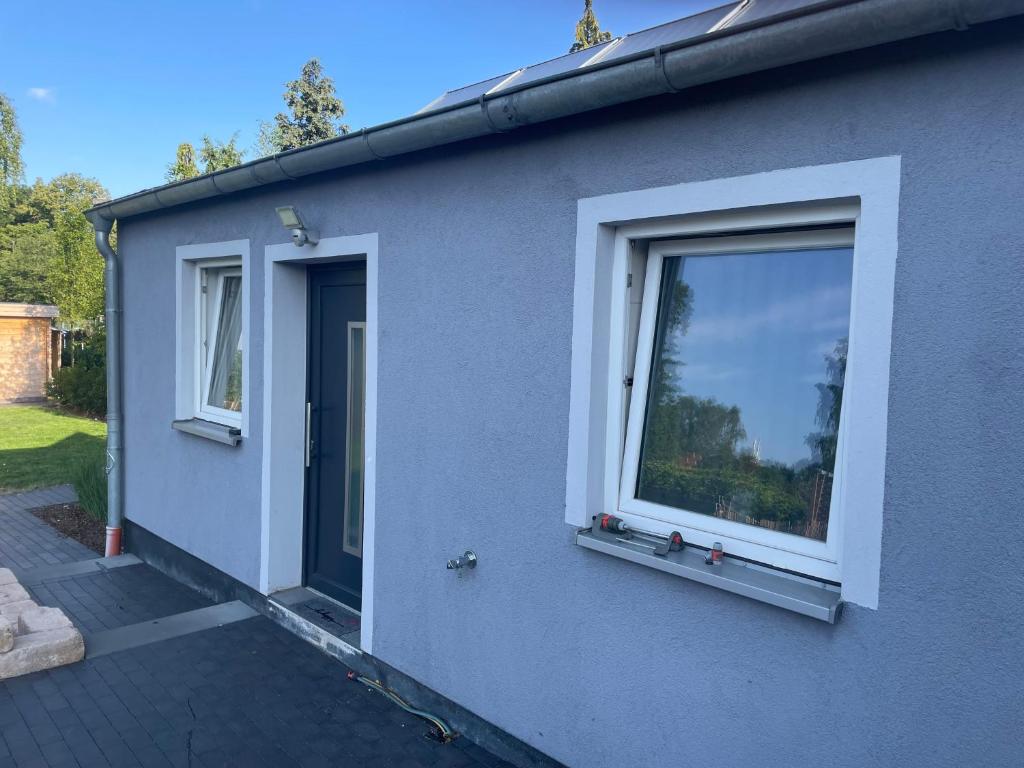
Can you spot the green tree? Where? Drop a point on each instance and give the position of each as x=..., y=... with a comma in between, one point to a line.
x=315, y=113
x=46, y=251
x=218, y=155
x=588, y=30
x=184, y=165
x=77, y=281
x=11, y=168
x=28, y=256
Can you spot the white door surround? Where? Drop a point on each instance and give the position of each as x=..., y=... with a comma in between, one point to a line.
x=285, y=320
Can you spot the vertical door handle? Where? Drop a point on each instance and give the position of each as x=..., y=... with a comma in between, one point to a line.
x=309, y=433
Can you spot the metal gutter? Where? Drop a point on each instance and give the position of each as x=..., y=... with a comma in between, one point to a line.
x=811, y=32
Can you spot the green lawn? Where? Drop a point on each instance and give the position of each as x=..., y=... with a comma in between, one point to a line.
x=40, y=446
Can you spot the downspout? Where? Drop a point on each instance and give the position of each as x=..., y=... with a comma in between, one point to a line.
x=112, y=321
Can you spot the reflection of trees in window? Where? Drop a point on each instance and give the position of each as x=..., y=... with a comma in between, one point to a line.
x=830, y=401
x=693, y=456
x=695, y=431
x=677, y=295
x=233, y=397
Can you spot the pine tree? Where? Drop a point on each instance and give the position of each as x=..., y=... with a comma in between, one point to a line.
x=184, y=165
x=588, y=30
x=315, y=112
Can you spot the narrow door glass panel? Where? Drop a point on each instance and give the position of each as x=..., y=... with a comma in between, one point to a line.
x=225, y=389
x=353, y=527
x=746, y=387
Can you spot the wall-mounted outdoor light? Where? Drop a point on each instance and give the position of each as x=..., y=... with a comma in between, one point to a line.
x=300, y=233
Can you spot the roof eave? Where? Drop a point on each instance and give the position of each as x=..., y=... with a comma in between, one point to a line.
x=811, y=32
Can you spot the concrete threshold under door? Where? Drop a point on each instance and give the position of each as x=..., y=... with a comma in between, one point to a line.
x=326, y=623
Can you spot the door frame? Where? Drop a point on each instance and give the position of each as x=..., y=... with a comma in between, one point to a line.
x=285, y=330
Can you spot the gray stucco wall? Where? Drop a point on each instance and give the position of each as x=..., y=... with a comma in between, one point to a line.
x=598, y=662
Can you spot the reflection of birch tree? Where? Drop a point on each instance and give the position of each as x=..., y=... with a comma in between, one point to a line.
x=676, y=309
x=830, y=400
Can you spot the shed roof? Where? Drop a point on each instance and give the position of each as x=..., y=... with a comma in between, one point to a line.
x=16, y=309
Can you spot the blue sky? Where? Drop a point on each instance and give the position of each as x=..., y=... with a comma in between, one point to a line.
x=109, y=89
x=760, y=329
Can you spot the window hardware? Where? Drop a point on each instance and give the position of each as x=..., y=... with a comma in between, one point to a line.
x=658, y=543
x=627, y=382
x=792, y=593
x=715, y=554
x=629, y=280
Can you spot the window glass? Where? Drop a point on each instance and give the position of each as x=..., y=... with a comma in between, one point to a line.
x=746, y=387
x=353, y=518
x=225, y=347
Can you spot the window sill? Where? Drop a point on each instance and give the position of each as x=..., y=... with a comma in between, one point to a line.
x=734, y=576
x=220, y=433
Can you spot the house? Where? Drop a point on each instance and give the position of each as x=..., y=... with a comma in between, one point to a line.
x=29, y=351
x=486, y=374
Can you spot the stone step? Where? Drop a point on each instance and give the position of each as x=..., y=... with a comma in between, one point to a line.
x=33, y=637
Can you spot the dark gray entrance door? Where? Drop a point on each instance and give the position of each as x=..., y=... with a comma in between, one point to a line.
x=334, y=479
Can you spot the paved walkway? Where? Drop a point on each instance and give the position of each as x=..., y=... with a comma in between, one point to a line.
x=247, y=693
x=28, y=542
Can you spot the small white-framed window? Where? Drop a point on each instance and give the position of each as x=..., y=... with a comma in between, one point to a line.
x=211, y=363
x=219, y=346
x=730, y=366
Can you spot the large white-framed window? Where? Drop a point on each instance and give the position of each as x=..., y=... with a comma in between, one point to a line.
x=731, y=345
x=211, y=377
x=734, y=406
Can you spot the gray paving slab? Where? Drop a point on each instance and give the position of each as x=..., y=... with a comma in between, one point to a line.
x=117, y=597
x=175, y=625
x=43, y=574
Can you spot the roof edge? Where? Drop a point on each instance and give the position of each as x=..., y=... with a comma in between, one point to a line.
x=21, y=310
x=804, y=34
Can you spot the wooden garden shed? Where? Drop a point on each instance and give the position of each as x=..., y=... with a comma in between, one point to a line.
x=29, y=350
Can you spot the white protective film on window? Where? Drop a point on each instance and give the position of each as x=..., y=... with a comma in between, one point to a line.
x=225, y=351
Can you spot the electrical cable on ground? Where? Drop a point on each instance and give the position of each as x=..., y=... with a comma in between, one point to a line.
x=445, y=732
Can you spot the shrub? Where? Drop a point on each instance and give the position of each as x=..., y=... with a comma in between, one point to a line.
x=83, y=387
x=90, y=481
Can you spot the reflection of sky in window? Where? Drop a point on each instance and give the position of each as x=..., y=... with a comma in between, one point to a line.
x=758, y=335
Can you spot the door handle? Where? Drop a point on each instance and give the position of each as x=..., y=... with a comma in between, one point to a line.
x=309, y=434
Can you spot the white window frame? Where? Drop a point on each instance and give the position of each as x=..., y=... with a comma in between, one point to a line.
x=782, y=550
x=208, y=326
x=192, y=368
x=863, y=193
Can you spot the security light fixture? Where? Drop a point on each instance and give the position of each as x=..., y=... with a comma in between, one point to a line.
x=300, y=234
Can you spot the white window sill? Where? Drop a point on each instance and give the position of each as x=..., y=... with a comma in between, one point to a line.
x=778, y=589
x=220, y=433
